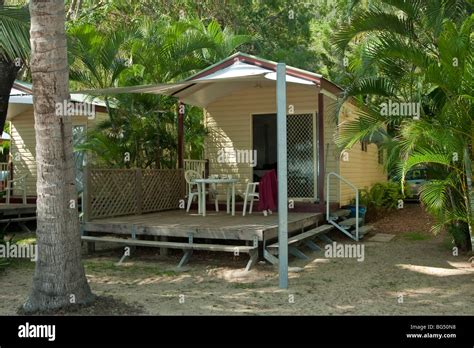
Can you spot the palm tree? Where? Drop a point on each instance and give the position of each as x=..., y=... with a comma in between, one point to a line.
x=59, y=278
x=153, y=52
x=170, y=51
x=14, y=51
x=97, y=58
x=439, y=77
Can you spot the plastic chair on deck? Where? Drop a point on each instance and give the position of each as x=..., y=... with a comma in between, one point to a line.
x=250, y=194
x=194, y=189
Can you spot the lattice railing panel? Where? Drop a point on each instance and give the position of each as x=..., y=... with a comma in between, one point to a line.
x=112, y=192
x=115, y=192
x=162, y=189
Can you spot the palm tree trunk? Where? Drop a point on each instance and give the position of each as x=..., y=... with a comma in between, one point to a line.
x=8, y=72
x=468, y=169
x=74, y=9
x=59, y=278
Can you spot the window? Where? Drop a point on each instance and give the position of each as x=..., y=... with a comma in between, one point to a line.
x=364, y=145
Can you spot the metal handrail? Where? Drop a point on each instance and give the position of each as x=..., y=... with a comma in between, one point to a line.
x=328, y=201
x=20, y=180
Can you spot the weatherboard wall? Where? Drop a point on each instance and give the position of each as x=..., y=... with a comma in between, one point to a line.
x=362, y=168
x=23, y=145
x=229, y=122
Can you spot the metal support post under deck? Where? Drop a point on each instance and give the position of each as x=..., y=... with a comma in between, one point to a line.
x=187, y=252
x=253, y=254
x=312, y=245
x=297, y=253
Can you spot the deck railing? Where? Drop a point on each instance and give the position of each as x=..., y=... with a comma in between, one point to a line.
x=116, y=192
x=328, y=195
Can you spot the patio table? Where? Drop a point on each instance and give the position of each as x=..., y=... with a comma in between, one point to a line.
x=230, y=192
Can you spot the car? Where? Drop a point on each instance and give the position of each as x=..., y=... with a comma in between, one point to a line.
x=415, y=178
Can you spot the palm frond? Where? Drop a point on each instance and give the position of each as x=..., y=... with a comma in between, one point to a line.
x=14, y=33
x=435, y=195
x=374, y=20
x=373, y=85
x=365, y=125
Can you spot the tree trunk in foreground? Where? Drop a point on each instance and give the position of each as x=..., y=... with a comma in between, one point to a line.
x=468, y=169
x=59, y=278
x=8, y=72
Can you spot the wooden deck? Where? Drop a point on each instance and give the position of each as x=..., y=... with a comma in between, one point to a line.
x=178, y=223
x=17, y=209
x=16, y=213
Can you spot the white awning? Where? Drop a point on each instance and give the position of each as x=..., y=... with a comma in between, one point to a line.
x=21, y=101
x=236, y=70
x=19, y=97
x=203, y=91
x=290, y=79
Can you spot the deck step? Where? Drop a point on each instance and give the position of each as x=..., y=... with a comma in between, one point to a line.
x=363, y=230
x=172, y=245
x=341, y=213
x=350, y=222
x=305, y=235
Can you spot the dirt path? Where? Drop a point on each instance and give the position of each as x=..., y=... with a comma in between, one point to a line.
x=415, y=273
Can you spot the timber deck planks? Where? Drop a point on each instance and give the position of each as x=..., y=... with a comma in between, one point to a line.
x=15, y=209
x=178, y=223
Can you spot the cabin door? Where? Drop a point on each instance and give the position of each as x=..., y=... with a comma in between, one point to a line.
x=301, y=152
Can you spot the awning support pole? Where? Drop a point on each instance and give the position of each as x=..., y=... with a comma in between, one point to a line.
x=181, y=111
x=321, y=164
x=282, y=176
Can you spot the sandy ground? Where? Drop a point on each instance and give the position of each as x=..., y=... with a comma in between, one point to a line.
x=415, y=273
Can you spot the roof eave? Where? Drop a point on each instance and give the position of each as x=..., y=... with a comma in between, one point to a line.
x=250, y=59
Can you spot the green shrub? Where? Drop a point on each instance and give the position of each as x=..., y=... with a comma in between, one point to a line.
x=380, y=198
x=460, y=234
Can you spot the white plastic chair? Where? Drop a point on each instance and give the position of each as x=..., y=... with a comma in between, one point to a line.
x=20, y=184
x=194, y=189
x=250, y=193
